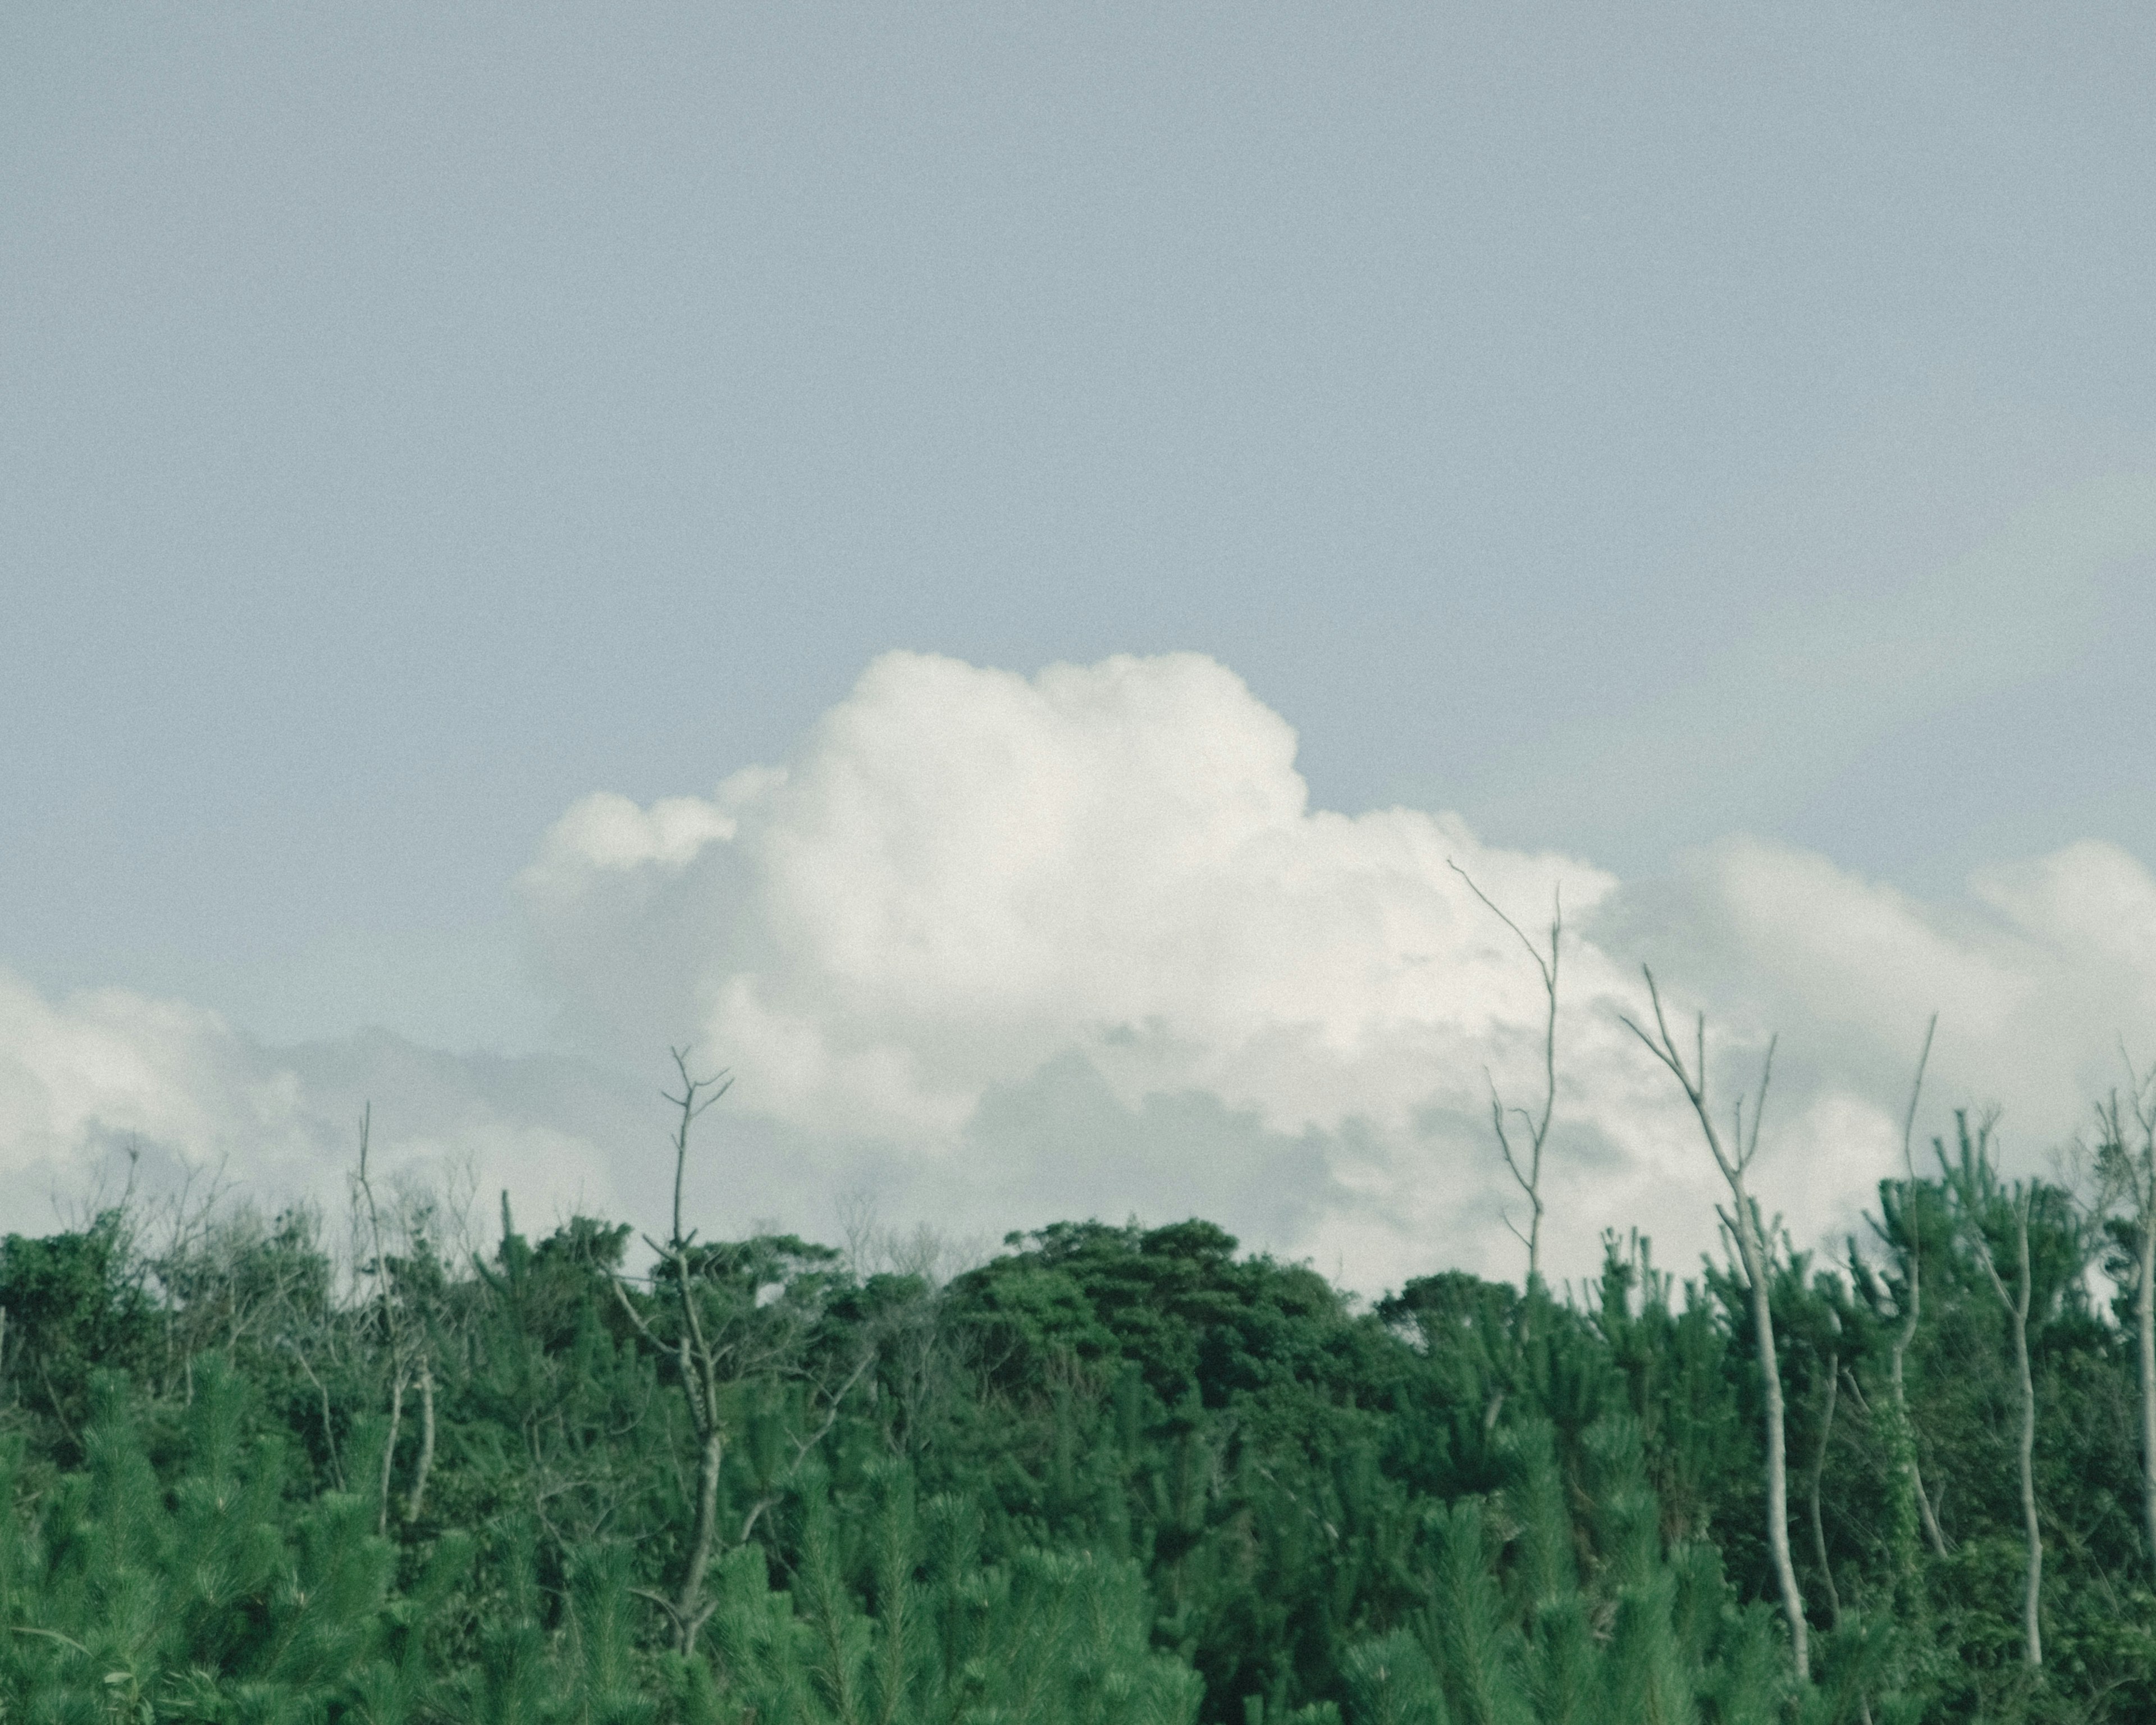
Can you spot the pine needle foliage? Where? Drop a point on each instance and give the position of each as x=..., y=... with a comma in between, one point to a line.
x=1113, y=1474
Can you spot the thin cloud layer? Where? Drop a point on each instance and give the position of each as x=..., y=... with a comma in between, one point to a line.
x=95, y=1078
x=1827, y=676
x=990, y=950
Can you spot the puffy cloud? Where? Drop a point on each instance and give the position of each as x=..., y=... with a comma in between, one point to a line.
x=1005, y=947
x=2039, y=973
x=993, y=949
x=964, y=872
x=966, y=883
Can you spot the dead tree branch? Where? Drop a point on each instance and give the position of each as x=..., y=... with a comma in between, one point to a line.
x=1898, y=1349
x=1536, y=1126
x=1742, y=1218
x=1978, y=1196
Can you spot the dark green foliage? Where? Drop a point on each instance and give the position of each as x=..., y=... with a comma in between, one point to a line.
x=1116, y=1474
x=76, y=1304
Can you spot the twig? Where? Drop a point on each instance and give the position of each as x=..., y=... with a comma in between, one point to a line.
x=1529, y=1179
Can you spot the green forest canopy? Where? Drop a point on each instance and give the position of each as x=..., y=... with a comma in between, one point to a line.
x=1113, y=1473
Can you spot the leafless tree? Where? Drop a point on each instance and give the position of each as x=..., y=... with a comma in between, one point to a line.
x=1526, y=1166
x=404, y=1337
x=1819, y=1474
x=697, y=1361
x=1742, y=1219
x=712, y=1354
x=1978, y=1200
x=1897, y=1350
x=2128, y=1170
x=921, y=1364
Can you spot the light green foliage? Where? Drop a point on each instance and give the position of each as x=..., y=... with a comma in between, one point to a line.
x=897, y=1621
x=1391, y=1681
x=202, y=1601
x=1584, y=1621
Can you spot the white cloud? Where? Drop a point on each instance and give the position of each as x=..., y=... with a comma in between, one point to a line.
x=965, y=880
x=90, y=1077
x=106, y=1065
x=999, y=949
x=1004, y=936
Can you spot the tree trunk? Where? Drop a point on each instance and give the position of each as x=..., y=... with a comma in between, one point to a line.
x=2148, y=1338
x=426, y=1465
x=690, y=1608
x=389, y=1449
x=1915, y=1303
x=1744, y=1223
x=1750, y=1250
x=1819, y=1472
x=2032, y=1629
x=1976, y=1192
x=1924, y=1511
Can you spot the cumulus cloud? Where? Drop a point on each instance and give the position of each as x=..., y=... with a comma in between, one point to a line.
x=2039, y=972
x=993, y=949
x=1079, y=941
x=978, y=914
x=964, y=873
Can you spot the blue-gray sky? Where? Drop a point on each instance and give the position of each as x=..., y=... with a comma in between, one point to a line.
x=1626, y=427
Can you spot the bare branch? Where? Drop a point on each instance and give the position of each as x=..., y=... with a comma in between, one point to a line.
x=1976, y=1193
x=635, y=1316
x=691, y=1106
x=2138, y=1168
x=1695, y=1088
x=1548, y=970
x=1899, y=1348
x=1497, y=1112
x=1529, y=1178
x=1751, y=1147
x=1915, y=1090
x=1742, y=1220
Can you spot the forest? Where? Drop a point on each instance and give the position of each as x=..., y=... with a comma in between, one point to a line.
x=408, y=1464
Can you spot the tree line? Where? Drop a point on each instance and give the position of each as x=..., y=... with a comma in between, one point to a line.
x=1113, y=1473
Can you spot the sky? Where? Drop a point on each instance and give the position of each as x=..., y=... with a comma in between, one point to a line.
x=975, y=564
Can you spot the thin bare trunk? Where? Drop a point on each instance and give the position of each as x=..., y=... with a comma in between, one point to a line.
x=1529, y=1178
x=426, y=1464
x=706, y=1359
x=1907, y=1332
x=329, y=1427
x=392, y=1329
x=689, y=1607
x=2136, y=1171
x=1932, y=1536
x=1743, y=1221
x=1975, y=1192
x=1819, y=1471
x=2146, y=1315
x=390, y=1449
x=2033, y=1596
x=1778, y=1465
x=701, y=1372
